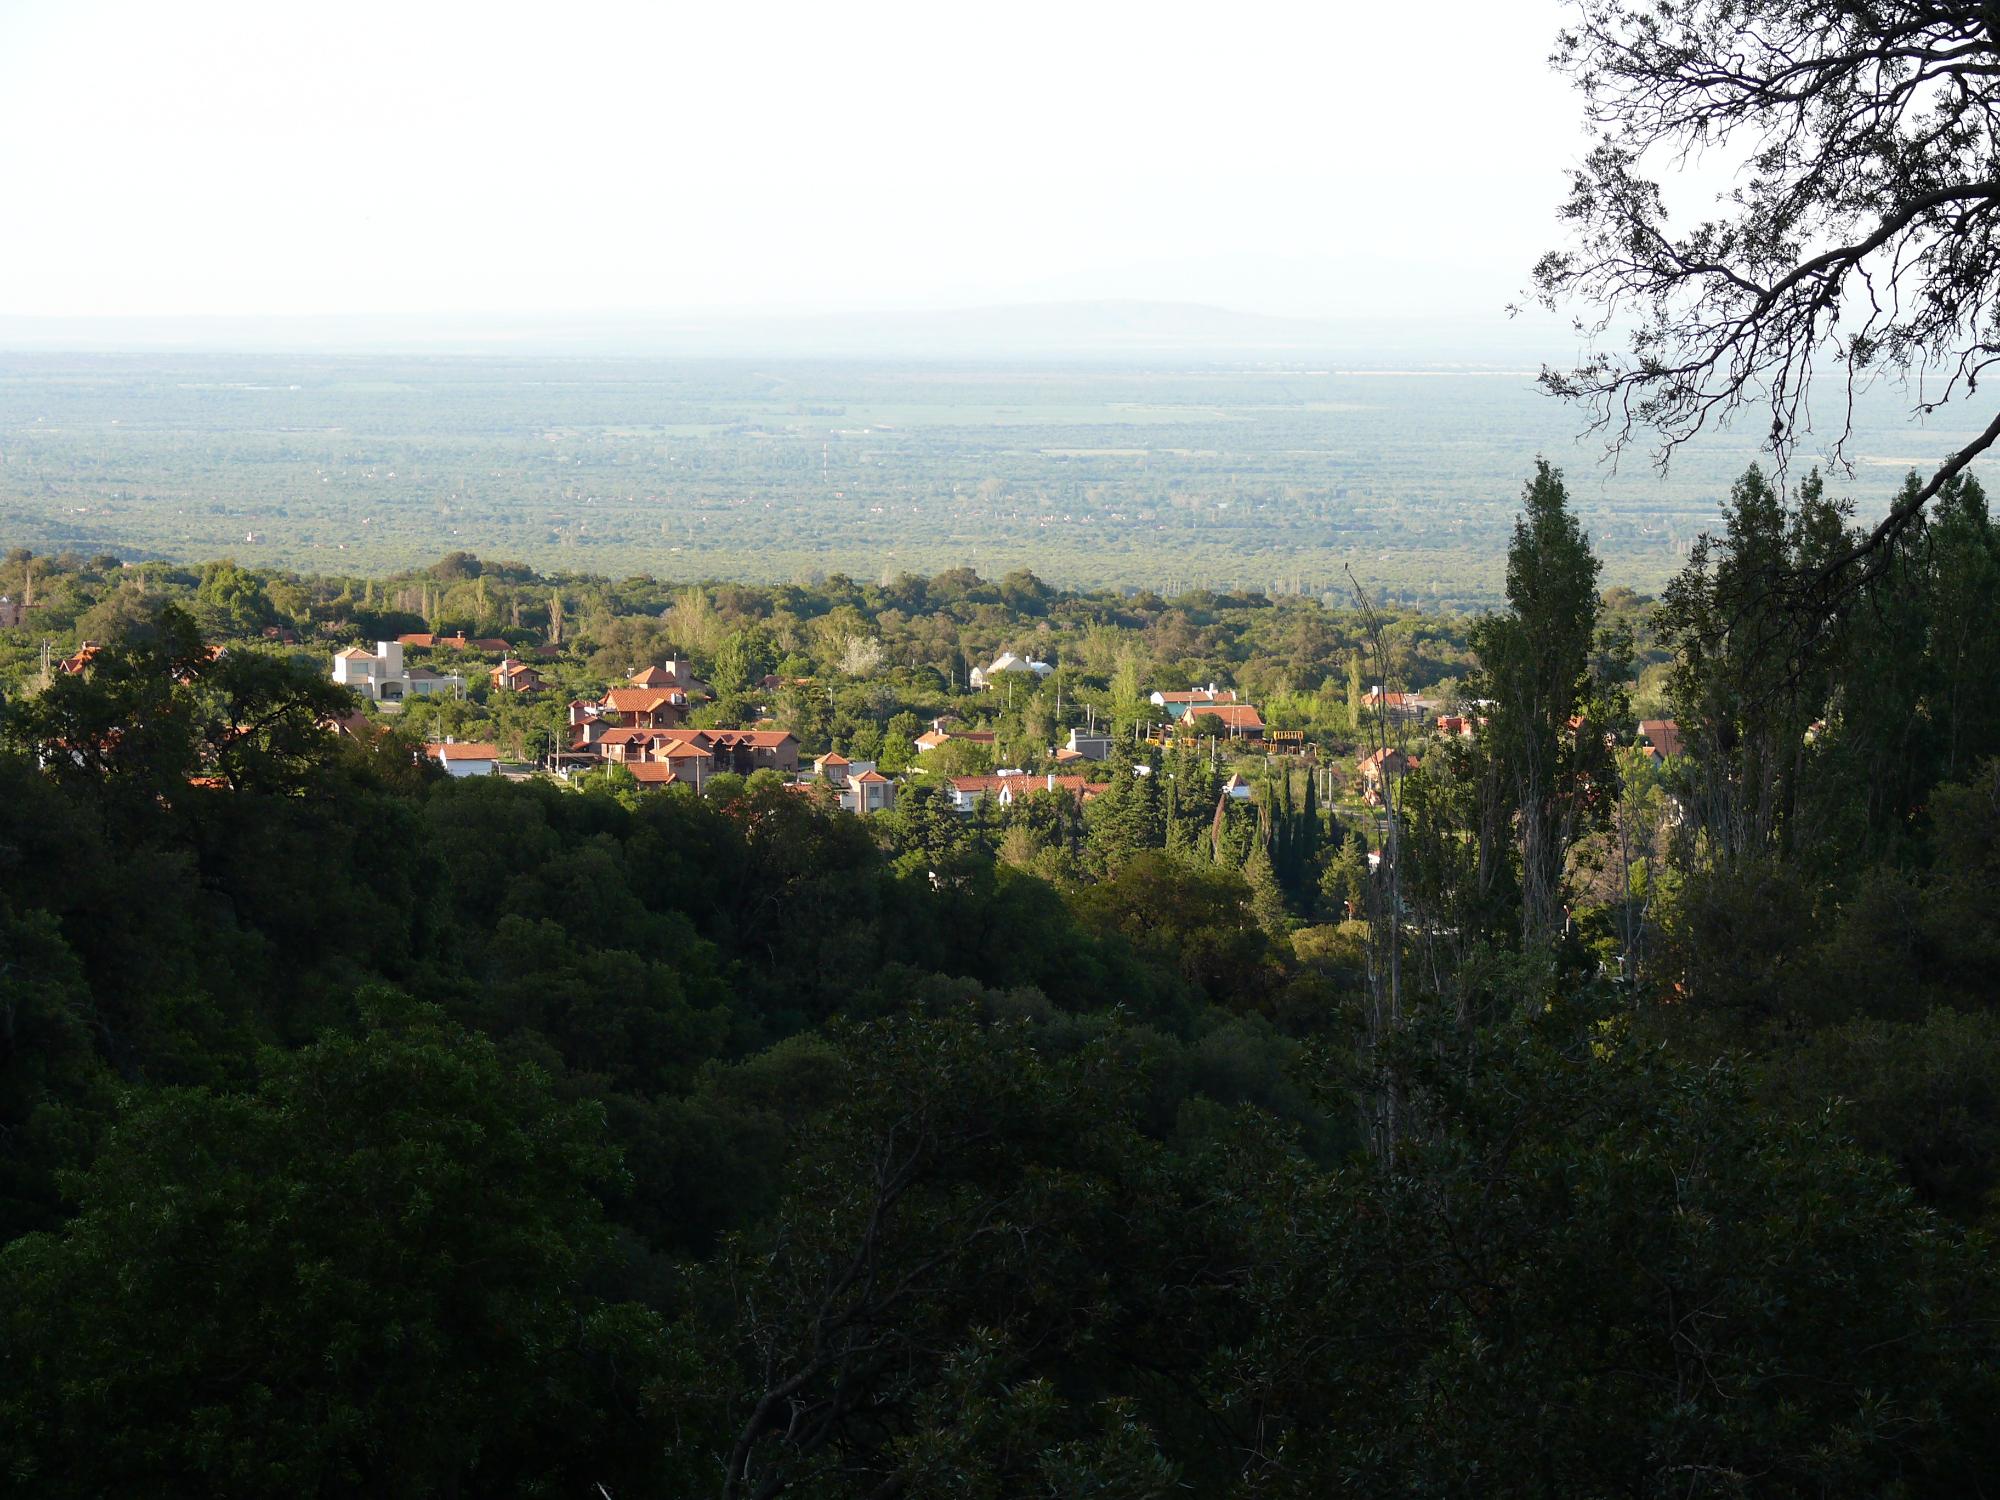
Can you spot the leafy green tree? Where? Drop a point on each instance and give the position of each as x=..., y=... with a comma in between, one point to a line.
x=233, y=598
x=359, y=1279
x=1536, y=661
x=951, y=1291
x=899, y=738
x=1344, y=881
x=1744, y=686
x=1596, y=1270
x=55, y=1091
x=742, y=661
x=1196, y=920
x=1267, y=897
x=958, y=757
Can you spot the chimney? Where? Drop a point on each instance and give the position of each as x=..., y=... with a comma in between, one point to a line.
x=1051, y=782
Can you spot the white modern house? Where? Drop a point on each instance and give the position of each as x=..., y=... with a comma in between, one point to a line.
x=1007, y=661
x=381, y=677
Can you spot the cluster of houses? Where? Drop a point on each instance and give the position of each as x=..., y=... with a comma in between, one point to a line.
x=642, y=726
x=383, y=677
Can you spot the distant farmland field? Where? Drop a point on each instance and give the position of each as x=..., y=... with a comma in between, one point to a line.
x=1283, y=478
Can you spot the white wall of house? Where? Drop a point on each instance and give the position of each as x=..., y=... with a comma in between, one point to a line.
x=383, y=678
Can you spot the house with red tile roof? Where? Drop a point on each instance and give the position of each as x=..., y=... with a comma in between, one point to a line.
x=1180, y=703
x=1661, y=739
x=1240, y=721
x=86, y=653
x=868, y=792
x=652, y=773
x=1379, y=767
x=931, y=738
x=513, y=676
x=653, y=708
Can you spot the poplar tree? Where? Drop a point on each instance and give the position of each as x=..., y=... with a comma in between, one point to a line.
x=1535, y=658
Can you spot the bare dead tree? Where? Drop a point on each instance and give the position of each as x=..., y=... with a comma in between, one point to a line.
x=1861, y=240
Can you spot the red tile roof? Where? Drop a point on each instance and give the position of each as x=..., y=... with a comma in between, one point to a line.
x=1395, y=761
x=1232, y=715
x=1664, y=735
x=641, y=700
x=85, y=655
x=465, y=750
x=653, y=773
x=357, y=726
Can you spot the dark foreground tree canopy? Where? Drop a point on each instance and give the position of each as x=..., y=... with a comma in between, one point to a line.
x=1601, y=1101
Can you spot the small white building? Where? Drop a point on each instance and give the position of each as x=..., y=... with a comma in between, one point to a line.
x=381, y=676
x=1007, y=661
x=466, y=757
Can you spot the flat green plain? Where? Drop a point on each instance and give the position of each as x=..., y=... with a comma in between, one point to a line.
x=1284, y=478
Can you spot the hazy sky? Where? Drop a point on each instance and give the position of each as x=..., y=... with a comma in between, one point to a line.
x=1320, y=159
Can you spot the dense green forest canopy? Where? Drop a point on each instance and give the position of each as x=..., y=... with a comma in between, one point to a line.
x=1573, y=1120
